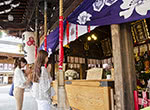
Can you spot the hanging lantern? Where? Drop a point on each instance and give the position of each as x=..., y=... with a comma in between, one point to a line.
x=29, y=46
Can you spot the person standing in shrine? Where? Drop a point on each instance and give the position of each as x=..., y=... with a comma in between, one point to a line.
x=42, y=82
x=20, y=81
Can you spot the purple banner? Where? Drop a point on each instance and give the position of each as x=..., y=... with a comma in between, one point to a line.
x=102, y=12
x=106, y=12
x=52, y=41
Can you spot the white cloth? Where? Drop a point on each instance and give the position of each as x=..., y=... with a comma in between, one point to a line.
x=45, y=105
x=19, y=78
x=42, y=90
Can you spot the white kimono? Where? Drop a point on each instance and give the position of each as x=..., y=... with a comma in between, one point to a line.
x=42, y=91
x=19, y=78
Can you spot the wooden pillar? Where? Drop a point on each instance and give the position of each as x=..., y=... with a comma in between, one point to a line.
x=62, y=96
x=45, y=24
x=124, y=65
x=37, y=40
x=86, y=63
x=82, y=71
x=53, y=66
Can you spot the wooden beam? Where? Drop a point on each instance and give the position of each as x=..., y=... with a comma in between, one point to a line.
x=16, y=12
x=6, y=16
x=124, y=65
x=31, y=7
x=7, y=25
x=37, y=40
x=11, y=54
x=7, y=61
x=19, y=10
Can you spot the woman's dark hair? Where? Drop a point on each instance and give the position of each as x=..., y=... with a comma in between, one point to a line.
x=18, y=62
x=40, y=61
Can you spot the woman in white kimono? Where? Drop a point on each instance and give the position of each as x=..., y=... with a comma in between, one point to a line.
x=42, y=82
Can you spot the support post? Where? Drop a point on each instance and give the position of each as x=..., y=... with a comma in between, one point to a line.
x=62, y=98
x=53, y=66
x=45, y=24
x=36, y=29
x=82, y=71
x=124, y=65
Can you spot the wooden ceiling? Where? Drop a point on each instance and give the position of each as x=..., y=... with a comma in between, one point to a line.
x=17, y=12
x=24, y=14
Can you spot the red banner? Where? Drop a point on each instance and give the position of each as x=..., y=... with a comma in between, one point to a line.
x=89, y=30
x=143, y=101
x=136, y=100
x=76, y=31
x=45, y=46
x=45, y=42
x=61, y=51
x=67, y=32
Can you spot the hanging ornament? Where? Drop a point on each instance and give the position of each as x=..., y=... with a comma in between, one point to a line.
x=10, y=18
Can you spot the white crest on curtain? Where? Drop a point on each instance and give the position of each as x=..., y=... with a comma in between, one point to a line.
x=84, y=17
x=140, y=6
x=43, y=48
x=99, y=4
x=49, y=52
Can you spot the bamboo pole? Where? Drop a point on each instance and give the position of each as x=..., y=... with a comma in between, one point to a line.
x=62, y=98
x=36, y=29
x=45, y=25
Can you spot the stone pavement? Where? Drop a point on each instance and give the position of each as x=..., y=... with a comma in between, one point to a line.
x=8, y=102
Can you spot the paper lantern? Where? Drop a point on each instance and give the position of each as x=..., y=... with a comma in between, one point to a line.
x=29, y=46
